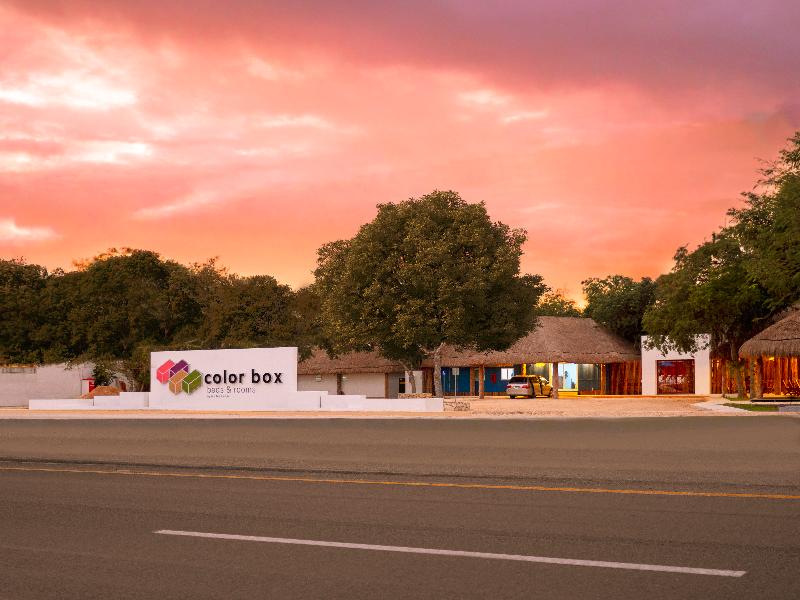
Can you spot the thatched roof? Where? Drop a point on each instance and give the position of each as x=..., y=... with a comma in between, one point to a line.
x=319, y=363
x=556, y=339
x=780, y=339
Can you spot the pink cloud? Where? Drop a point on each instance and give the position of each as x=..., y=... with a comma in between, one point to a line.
x=258, y=131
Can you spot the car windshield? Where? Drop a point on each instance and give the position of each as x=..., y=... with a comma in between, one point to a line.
x=518, y=379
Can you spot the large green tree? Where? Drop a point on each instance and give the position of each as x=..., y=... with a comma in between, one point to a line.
x=426, y=272
x=618, y=303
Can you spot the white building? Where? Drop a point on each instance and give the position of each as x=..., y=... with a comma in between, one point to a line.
x=362, y=373
x=676, y=373
x=20, y=383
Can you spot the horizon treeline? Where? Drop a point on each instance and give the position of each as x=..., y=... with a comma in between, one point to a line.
x=119, y=306
x=124, y=303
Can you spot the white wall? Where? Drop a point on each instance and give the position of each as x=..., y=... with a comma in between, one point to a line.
x=49, y=381
x=309, y=383
x=371, y=385
x=702, y=366
x=296, y=401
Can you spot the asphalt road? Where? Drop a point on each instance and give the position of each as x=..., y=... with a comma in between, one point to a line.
x=81, y=502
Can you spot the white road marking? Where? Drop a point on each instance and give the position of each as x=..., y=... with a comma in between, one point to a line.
x=438, y=552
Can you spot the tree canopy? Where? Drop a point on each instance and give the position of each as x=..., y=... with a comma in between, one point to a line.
x=619, y=303
x=21, y=321
x=118, y=307
x=426, y=272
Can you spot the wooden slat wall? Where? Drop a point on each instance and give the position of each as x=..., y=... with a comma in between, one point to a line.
x=780, y=375
x=625, y=379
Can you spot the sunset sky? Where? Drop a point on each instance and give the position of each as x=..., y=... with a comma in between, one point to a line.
x=256, y=131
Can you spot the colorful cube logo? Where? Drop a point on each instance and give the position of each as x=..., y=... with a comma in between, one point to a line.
x=192, y=381
x=163, y=374
x=178, y=377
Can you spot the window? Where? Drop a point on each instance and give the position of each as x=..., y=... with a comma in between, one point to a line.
x=675, y=376
x=568, y=376
x=589, y=378
x=541, y=369
x=506, y=373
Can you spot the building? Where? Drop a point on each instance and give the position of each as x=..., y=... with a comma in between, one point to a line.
x=363, y=373
x=774, y=358
x=588, y=358
x=676, y=373
x=20, y=383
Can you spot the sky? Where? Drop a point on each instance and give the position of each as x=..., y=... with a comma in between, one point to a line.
x=256, y=131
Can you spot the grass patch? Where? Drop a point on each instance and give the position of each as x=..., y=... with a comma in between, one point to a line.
x=754, y=407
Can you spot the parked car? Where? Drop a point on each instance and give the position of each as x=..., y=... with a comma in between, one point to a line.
x=528, y=386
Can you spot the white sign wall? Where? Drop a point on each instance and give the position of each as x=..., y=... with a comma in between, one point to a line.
x=235, y=379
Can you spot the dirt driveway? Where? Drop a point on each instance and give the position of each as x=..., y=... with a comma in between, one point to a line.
x=592, y=406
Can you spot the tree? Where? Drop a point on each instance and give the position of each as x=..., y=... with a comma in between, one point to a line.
x=307, y=306
x=708, y=291
x=21, y=286
x=124, y=301
x=619, y=303
x=555, y=304
x=103, y=374
x=426, y=272
x=768, y=228
x=248, y=312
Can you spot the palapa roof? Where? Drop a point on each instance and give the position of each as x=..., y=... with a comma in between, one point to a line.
x=319, y=363
x=780, y=339
x=555, y=339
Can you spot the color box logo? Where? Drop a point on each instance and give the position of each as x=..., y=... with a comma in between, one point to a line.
x=178, y=377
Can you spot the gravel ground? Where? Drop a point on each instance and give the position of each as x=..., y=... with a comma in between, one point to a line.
x=588, y=406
